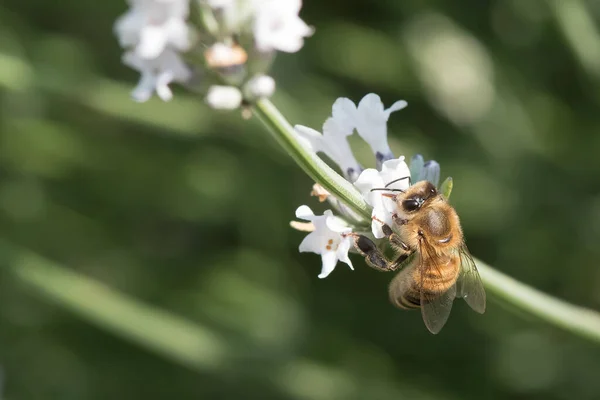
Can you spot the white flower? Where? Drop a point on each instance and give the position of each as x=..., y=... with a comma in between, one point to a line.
x=371, y=124
x=391, y=174
x=277, y=25
x=333, y=142
x=150, y=26
x=328, y=239
x=157, y=74
x=224, y=97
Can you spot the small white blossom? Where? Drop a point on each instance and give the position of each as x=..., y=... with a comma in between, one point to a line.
x=333, y=142
x=224, y=97
x=157, y=74
x=150, y=26
x=155, y=32
x=328, y=239
x=259, y=86
x=277, y=26
x=383, y=207
x=371, y=124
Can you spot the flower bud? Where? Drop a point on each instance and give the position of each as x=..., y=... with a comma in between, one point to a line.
x=259, y=86
x=224, y=97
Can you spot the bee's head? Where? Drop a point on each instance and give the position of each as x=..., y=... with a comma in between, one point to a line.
x=417, y=196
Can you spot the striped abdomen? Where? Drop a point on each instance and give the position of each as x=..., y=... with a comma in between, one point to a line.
x=430, y=277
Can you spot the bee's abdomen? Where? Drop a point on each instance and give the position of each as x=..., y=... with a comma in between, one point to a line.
x=436, y=278
x=409, y=300
x=429, y=280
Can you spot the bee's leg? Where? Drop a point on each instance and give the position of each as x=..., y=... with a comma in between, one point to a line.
x=395, y=240
x=373, y=256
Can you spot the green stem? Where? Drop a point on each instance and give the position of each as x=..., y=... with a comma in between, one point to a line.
x=315, y=167
x=161, y=332
x=577, y=320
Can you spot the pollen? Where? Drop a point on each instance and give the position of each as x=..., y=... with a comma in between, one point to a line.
x=328, y=247
x=330, y=242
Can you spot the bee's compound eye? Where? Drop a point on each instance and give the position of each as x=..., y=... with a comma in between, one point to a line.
x=410, y=204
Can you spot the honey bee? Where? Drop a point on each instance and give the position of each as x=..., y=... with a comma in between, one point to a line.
x=428, y=239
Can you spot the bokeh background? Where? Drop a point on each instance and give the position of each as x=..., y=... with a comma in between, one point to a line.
x=145, y=248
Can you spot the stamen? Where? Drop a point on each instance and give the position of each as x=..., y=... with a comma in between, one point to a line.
x=302, y=226
x=378, y=220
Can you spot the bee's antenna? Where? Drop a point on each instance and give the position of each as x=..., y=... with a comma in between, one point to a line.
x=388, y=190
x=398, y=180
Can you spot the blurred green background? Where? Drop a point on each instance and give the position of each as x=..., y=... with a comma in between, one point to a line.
x=173, y=219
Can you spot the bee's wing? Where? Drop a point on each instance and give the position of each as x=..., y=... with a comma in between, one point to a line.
x=469, y=285
x=435, y=304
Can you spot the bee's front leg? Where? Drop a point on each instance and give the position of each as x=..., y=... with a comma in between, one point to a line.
x=395, y=240
x=375, y=258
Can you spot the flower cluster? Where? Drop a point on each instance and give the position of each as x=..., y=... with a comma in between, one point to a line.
x=155, y=33
x=330, y=235
x=226, y=46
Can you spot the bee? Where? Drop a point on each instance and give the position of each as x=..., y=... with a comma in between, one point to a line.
x=429, y=243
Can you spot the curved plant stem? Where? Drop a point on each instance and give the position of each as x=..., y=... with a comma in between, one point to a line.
x=159, y=331
x=577, y=320
x=320, y=172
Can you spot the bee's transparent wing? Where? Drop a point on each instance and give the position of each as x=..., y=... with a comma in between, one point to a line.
x=435, y=304
x=469, y=285
x=436, y=310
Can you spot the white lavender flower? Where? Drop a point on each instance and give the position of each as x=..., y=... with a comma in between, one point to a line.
x=150, y=26
x=329, y=239
x=333, y=142
x=277, y=25
x=371, y=124
x=157, y=74
x=370, y=120
x=394, y=174
x=155, y=32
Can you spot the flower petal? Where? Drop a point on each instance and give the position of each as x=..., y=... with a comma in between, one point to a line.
x=416, y=168
x=369, y=179
x=329, y=262
x=371, y=125
x=312, y=243
x=342, y=252
x=310, y=137
x=277, y=26
x=396, y=170
x=153, y=40
x=304, y=212
x=343, y=112
x=432, y=172
x=397, y=106
x=337, y=225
